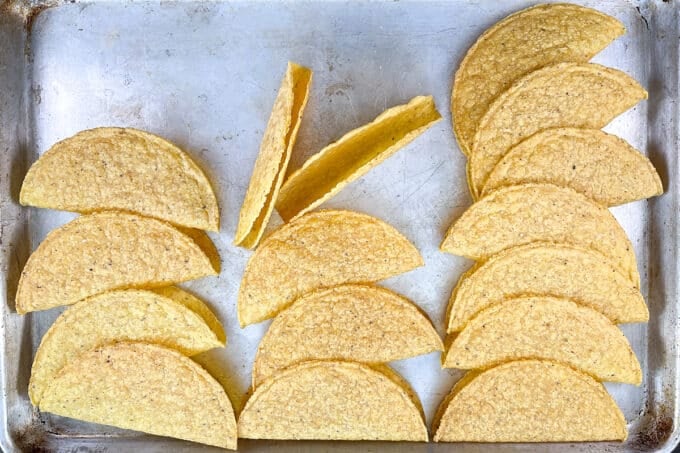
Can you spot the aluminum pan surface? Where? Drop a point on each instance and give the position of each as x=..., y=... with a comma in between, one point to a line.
x=205, y=76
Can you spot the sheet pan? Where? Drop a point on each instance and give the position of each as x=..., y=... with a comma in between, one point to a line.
x=204, y=74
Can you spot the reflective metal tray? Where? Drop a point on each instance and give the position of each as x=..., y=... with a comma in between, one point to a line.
x=205, y=74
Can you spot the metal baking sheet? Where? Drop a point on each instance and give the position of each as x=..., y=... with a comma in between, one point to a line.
x=205, y=74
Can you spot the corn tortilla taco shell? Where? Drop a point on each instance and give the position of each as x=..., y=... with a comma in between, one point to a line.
x=333, y=400
x=359, y=323
x=519, y=215
x=583, y=95
x=529, y=401
x=326, y=173
x=146, y=388
x=548, y=328
x=319, y=250
x=601, y=166
x=112, y=168
x=105, y=251
x=544, y=269
x=275, y=151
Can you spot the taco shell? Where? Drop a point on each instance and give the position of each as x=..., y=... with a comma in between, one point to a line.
x=545, y=269
x=601, y=166
x=105, y=251
x=112, y=168
x=326, y=173
x=529, y=401
x=275, y=151
x=320, y=250
x=519, y=215
x=146, y=388
x=545, y=328
x=583, y=95
x=333, y=400
x=358, y=323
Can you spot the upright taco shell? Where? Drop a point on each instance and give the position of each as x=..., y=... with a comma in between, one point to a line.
x=112, y=168
x=105, y=251
x=545, y=328
x=319, y=250
x=361, y=323
x=146, y=388
x=519, y=215
x=528, y=401
x=601, y=166
x=333, y=400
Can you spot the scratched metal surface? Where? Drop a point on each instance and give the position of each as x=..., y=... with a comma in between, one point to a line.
x=205, y=74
